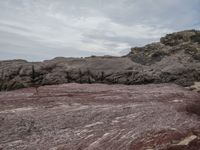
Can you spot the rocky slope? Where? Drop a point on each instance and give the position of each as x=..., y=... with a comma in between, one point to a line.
x=176, y=58
x=100, y=117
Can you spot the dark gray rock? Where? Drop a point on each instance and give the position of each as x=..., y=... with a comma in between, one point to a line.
x=176, y=59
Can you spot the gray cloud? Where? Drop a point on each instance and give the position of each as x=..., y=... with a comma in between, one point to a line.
x=43, y=29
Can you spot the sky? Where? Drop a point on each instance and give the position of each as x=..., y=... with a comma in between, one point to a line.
x=37, y=30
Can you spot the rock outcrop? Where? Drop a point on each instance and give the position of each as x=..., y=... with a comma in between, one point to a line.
x=175, y=59
x=100, y=117
x=195, y=87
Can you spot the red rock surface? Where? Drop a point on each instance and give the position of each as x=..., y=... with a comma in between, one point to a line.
x=100, y=117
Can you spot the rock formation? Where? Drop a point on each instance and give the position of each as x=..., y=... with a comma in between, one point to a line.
x=100, y=117
x=97, y=116
x=175, y=59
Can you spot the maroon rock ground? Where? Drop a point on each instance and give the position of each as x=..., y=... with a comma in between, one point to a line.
x=100, y=117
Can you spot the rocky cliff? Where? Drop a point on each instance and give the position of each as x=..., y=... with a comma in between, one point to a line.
x=176, y=58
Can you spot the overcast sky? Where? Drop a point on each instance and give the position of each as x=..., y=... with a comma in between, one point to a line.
x=44, y=29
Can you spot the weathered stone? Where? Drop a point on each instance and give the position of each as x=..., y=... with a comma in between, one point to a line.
x=179, y=37
x=100, y=117
x=176, y=59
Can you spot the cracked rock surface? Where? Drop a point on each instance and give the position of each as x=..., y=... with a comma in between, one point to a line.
x=100, y=117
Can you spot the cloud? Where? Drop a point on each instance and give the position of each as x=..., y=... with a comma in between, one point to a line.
x=42, y=29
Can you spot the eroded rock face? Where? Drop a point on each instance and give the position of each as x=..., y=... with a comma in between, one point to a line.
x=184, y=43
x=176, y=59
x=99, y=116
x=148, y=54
x=180, y=37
